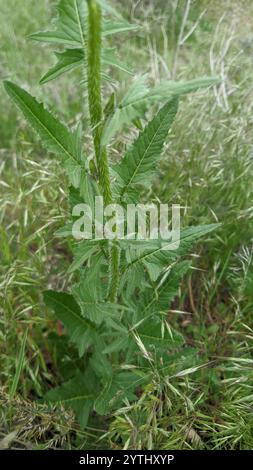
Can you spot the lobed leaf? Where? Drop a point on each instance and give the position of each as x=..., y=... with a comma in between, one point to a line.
x=77, y=394
x=73, y=58
x=159, y=254
x=94, y=306
x=67, y=60
x=82, y=252
x=69, y=27
x=81, y=331
x=119, y=387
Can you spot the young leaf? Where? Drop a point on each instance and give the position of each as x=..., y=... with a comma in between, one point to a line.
x=71, y=30
x=140, y=96
x=114, y=27
x=140, y=162
x=167, y=89
x=81, y=331
x=90, y=292
x=110, y=59
x=132, y=106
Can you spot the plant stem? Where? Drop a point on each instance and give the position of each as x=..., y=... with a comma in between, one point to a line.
x=114, y=272
x=94, y=92
x=96, y=116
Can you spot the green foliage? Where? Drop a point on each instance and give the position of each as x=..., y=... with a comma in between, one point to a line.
x=72, y=32
x=154, y=258
x=121, y=342
x=54, y=135
x=67, y=60
x=71, y=26
x=140, y=96
x=77, y=394
x=80, y=330
x=136, y=168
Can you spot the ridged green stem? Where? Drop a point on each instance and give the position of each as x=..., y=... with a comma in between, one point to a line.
x=94, y=46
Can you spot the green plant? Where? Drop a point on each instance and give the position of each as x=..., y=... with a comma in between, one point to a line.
x=116, y=312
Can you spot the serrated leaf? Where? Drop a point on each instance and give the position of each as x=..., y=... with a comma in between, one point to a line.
x=160, y=253
x=119, y=387
x=140, y=162
x=140, y=96
x=91, y=292
x=54, y=135
x=115, y=27
x=69, y=27
x=77, y=394
x=82, y=252
x=94, y=305
x=159, y=300
x=129, y=108
x=100, y=364
x=67, y=60
x=73, y=58
x=81, y=331
x=109, y=58
x=157, y=336
x=168, y=89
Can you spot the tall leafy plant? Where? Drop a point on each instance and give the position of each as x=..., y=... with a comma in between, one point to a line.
x=115, y=315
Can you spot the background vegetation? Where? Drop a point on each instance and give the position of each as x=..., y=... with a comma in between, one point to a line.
x=207, y=168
